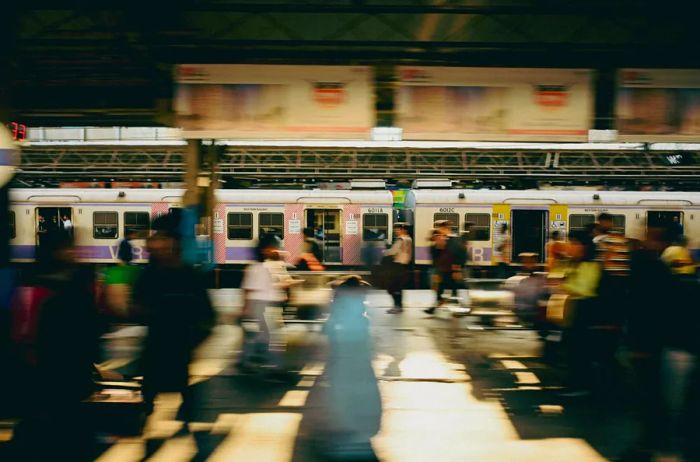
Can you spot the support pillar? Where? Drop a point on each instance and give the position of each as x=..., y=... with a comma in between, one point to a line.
x=605, y=88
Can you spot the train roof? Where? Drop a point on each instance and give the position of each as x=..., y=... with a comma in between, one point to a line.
x=632, y=198
x=238, y=196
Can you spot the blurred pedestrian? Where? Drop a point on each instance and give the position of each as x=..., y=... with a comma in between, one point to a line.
x=262, y=293
x=173, y=300
x=613, y=253
x=581, y=284
x=353, y=403
x=530, y=291
x=446, y=263
x=311, y=254
x=556, y=252
x=652, y=324
x=125, y=253
x=678, y=258
x=67, y=335
x=503, y=251
x=402, y=255
x=311, y=244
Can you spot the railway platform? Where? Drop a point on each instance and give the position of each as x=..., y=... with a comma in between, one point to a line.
x=487, y=396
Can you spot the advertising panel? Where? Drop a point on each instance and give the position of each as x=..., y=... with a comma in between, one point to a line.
x=658, y=104
x=271, y=101
x=489, y=104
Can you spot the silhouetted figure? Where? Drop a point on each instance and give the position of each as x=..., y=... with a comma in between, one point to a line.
x=67, y=335
x=177, y=312
x=125, y=253
x=401, y=253
x=353, y=403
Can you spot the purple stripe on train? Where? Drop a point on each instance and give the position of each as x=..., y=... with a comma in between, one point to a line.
x=84, y=252
x=23, y=252
x=240, y=253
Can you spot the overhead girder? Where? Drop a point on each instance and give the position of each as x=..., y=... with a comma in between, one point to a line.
x=168, y=163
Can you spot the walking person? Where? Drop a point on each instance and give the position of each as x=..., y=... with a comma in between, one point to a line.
x=446, y=262
x=352, y=409
x=262, y=294
x=402, y=254
x=581, y=284
x=176, y=308
x=556, y=252
x=64, y=351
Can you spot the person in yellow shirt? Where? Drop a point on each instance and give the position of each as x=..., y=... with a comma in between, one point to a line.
x=581, y=284
x=556, y=252
x=678, y=258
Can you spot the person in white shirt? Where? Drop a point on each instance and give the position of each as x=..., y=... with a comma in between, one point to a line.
x=402, y=253
x=67, y=224
x=263, y=293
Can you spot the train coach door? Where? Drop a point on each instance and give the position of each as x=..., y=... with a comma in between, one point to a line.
x=671, y=220
x=50, y=220
x=529, y=232
x=326, y=226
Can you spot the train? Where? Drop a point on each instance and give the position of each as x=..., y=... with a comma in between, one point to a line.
x=345, y=221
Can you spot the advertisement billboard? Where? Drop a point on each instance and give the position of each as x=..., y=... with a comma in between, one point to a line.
x=494, y=104
x=658, y=105
x=274, y=101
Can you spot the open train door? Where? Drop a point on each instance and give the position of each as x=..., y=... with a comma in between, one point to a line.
x=671, y=220
x=327, y=228
x=529, y=232
x=51, y=220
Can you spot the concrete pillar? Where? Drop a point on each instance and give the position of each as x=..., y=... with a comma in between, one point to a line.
x=605, y=88
x=192, y=166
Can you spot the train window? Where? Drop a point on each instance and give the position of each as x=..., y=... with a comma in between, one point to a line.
x=105, y=225
x=578, y=222
x=375, y=226
x=271, y=223
x=240, y=226
x=453, y=218
x=618, y=223
x=11, y=222
x=481, y=226
x=138, y=222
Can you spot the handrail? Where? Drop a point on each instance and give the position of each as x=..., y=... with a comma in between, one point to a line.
x=665, y=201
x=544, y=199
x=53, y=196
x=323, y=200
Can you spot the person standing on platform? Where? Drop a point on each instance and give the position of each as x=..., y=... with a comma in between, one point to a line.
x=178, y=313
x=125, y=254
x=402, y=253
x=504, y=248
x=448, y=269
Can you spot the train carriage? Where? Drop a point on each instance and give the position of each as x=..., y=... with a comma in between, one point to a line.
x=532, y=215
x=345, y=221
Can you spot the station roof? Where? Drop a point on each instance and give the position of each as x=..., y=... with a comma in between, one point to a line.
x=110, y=62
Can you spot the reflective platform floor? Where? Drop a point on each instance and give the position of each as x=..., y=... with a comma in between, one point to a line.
x=447, y=394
